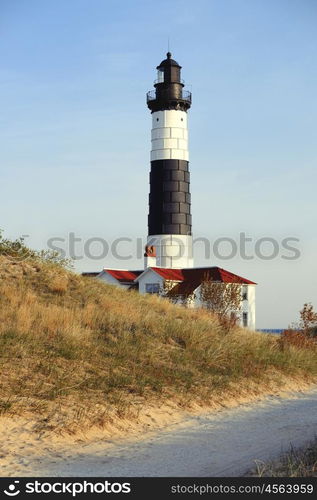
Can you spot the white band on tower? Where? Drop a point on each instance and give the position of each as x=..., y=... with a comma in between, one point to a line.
x=169, y=135
x=173, y=250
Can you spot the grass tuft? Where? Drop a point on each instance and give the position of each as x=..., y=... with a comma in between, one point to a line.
x=295, y=463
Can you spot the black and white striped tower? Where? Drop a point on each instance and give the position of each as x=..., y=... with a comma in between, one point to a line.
x=169, y=223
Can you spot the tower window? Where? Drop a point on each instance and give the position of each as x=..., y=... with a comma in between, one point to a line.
x=157, y=119
x=244, y=293
x=160, y=76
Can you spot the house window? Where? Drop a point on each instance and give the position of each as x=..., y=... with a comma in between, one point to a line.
x=152, y=287
x=244, y=293
x=245, y=319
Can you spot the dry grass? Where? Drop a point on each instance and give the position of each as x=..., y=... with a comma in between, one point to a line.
x=74, y=351
x=295, y=463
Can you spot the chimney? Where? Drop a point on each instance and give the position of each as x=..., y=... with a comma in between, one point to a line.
x=149, y=256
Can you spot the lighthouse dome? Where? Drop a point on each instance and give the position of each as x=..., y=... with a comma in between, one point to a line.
x=168, y=62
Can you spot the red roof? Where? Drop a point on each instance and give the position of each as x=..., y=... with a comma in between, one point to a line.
x=190, y=279
x=197, y=274
x=123, y=276
x=170, y=274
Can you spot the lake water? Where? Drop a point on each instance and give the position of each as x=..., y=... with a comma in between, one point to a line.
x=276, y=331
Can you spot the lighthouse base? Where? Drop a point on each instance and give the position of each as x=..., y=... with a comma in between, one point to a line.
x=173, y=251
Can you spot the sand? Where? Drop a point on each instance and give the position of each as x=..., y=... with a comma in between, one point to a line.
x=25, y=451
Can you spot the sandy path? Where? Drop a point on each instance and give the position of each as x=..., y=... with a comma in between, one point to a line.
x=225, y=443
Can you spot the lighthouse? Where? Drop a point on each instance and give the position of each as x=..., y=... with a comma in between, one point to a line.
x=169, y=241
x=168, y=259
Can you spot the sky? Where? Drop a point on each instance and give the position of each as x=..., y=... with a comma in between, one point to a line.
x=75, y=133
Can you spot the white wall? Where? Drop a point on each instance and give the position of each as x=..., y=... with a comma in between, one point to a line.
x=149, y=261
x=247, y=306
x=173, y=250
x=149, y=277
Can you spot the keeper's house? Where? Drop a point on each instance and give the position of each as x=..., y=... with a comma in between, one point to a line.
x=183, y=285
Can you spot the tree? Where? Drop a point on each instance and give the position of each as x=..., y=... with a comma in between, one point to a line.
x=169, y=290
x=223, y=299
x=302, y=333
x=308, y=320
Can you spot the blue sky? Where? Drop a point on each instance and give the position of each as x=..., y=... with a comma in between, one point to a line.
x=75, y=130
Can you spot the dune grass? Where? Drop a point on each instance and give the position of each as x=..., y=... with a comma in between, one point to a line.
x=295, y=463
x=73, y=349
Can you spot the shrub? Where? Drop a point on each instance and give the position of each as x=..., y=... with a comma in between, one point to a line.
x=16, y=250
x=308, y=319
x=296, y=338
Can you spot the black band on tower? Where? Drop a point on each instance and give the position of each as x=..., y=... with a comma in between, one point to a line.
x=169, y=199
